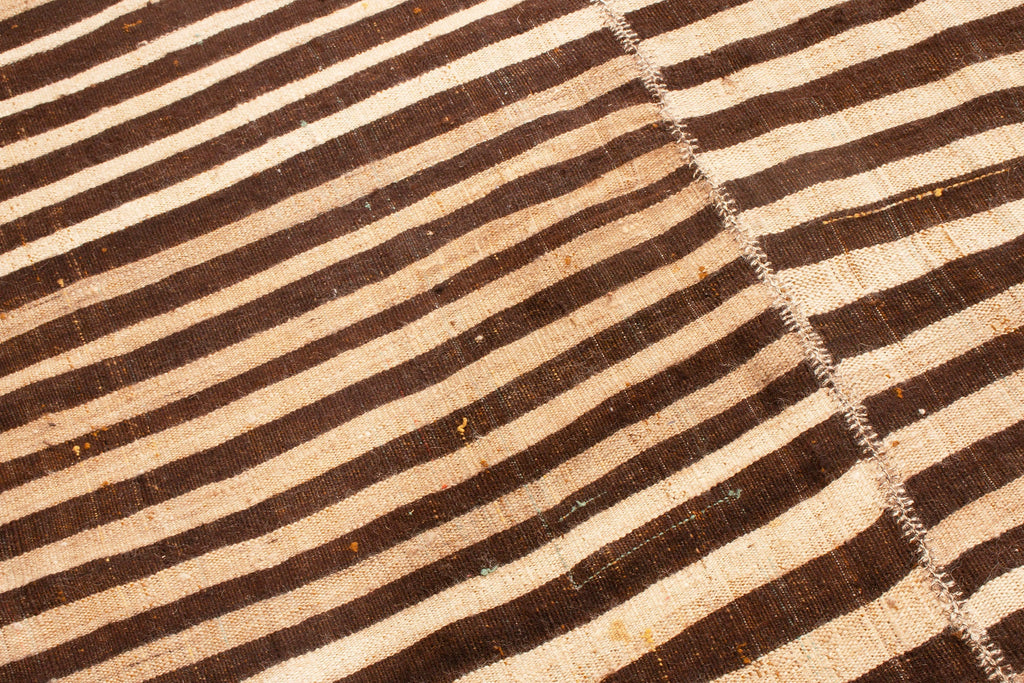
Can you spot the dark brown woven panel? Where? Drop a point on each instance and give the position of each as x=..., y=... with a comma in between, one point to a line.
x=640, y=340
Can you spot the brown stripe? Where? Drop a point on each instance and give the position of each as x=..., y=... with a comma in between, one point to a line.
x=526, y=622
x=59, y=456
x=267, y=440
x=944, y=654
x=1009, y=634
x=885, y=318
x=772, y=615
x=988, y=560
x=981, y=468
x=210, y=153
x=803, y=33
x=619, y=411
x=385, y=176
x=345, y=442
x=768, y=617
x=288, y=67
x=642, y=471
x=422, y=121
x=438, y=508
x=912, y=212
x=939, y=387
x=84, y=384
x=37, y=22
x=661, y=17
x=276, y=72
x=973, y=117
x=87, y=324
x=367, y=266
x=519, y=505
x=924, y=62
x=407, y=450
x=114, y=39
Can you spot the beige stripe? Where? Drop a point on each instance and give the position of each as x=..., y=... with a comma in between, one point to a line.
x=931, y=439
x=833, y=54
x=559, y=485
x=851, y=645
x=495, y=236
x=64, y=35
x=932, y=346
x=476, y=65
x=145, y=53
x=29, y=148
x=350, y=514
x=340, y=445
x=999, y=598
x=306, y=205
x=748, y=20
x=913, y=104
x=966, y=155
x=830, y=284
x=977, y=522
x=277, y=400
x=94, y=176
x=234, y=360
x=274, y=401
x=802, y=533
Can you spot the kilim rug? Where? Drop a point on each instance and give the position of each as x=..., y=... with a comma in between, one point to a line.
x=511, y=340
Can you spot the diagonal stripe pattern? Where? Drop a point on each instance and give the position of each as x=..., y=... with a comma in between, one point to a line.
x=521, y=340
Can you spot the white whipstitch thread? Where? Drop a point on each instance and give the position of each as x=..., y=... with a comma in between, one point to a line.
x=990, y=657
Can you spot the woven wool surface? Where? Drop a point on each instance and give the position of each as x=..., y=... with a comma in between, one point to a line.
x=511, y=340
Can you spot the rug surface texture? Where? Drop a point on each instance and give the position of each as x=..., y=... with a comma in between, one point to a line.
x=511, y=340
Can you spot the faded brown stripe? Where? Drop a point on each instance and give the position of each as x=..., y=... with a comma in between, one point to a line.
x=627, y=407
x=79, y=386
x=338, y=97
x=1009, y=633
x=969, y=474
x=933, y=390
x=102, y=318
x=666, y=16
x=988, y=560
x=392, y=134
x=526, y=622
x=557, y=375
x=782, y=610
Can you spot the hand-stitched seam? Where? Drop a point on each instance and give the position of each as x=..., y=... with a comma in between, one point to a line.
x=988, y=655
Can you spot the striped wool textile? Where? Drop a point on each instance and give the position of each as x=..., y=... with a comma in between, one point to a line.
x=511, y=340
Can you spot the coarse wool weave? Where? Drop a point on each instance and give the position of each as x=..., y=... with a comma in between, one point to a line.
x=511, y=340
